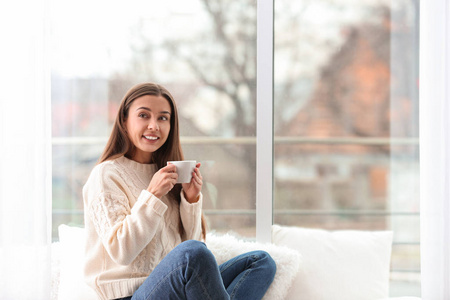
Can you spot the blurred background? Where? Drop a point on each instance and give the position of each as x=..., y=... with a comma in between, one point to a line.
x=346, y=139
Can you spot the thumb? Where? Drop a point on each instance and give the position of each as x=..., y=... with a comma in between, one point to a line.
x=170, y=168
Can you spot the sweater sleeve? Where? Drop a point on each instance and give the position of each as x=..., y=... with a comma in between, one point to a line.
x=191, y=217
x=124, y=231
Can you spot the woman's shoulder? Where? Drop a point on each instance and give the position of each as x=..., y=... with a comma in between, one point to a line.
x=104, y=175
x=108, y=166
x=104, y=170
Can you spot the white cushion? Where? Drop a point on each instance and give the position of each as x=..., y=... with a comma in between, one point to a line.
x=225, y=247
x=338, y=265
x=71, y=282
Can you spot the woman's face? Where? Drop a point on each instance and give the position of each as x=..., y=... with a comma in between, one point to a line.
x=148, y=125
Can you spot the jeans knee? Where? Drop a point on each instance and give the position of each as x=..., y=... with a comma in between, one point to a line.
x=268, y=263
x=196, y=250
x=192, y=244
x=272, y=266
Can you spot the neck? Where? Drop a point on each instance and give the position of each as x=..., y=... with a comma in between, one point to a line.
x=139, y=157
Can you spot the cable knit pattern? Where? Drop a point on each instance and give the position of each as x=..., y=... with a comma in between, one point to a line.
x=139, y=266
x=107, y=211
x=129, y=230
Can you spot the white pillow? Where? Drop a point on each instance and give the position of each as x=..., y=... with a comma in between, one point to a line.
x=225, y=247
x=338, y=265
x=71, y=282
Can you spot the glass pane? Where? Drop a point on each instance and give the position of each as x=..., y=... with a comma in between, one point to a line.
x=72, y=164
x=203, y=51
x=228, y=184
x=346, y=122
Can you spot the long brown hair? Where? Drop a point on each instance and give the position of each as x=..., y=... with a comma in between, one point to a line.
x=119, y=144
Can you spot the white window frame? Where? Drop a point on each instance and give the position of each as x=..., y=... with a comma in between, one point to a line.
x=434, y=111
x=264, y=124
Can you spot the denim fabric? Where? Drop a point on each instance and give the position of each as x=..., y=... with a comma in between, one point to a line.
x=249, y=275
x=190, y=271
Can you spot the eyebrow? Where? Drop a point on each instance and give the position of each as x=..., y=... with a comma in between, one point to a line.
x=146, y=108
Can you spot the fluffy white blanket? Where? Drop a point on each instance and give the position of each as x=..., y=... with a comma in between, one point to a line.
x=225, y=247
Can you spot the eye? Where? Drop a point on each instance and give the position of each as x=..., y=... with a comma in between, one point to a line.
x=142, y=115
x=164, y=118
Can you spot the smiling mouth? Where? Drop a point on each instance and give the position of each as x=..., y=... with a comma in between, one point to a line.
x=151, y=138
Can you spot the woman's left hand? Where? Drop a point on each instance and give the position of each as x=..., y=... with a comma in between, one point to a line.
x=192, y=189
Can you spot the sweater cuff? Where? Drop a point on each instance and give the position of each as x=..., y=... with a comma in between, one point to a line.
x=191, y=208
x=148, y=199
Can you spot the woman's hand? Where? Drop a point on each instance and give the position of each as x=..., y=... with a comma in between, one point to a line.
x=163, y=181
x=192, y=189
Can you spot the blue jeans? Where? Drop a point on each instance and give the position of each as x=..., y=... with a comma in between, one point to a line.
x=190, y=271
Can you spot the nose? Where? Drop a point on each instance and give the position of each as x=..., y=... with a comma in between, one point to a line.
x=153, y=125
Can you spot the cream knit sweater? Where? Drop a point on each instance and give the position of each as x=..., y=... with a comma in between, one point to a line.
x=129, y=230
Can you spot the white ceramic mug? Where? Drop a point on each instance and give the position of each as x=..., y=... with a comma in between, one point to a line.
x=184, y=169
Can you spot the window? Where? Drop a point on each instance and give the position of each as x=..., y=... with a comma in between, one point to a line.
x=346, y=153
x=345, y=108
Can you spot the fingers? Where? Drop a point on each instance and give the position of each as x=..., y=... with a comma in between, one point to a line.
x=169, y=168
x=170, y=172
x=173, y=176
x=163, y=181
x=197, y=176
x=198, y=181
x=197, y=169
x=192, y=189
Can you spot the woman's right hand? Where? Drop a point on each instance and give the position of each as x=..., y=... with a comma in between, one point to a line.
x=163, y=181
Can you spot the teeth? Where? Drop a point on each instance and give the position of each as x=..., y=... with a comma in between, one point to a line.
x=152, y=138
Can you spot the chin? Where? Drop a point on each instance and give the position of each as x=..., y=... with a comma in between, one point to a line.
x=151, y=149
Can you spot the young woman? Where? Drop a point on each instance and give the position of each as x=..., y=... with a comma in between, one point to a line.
x=144, y=231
